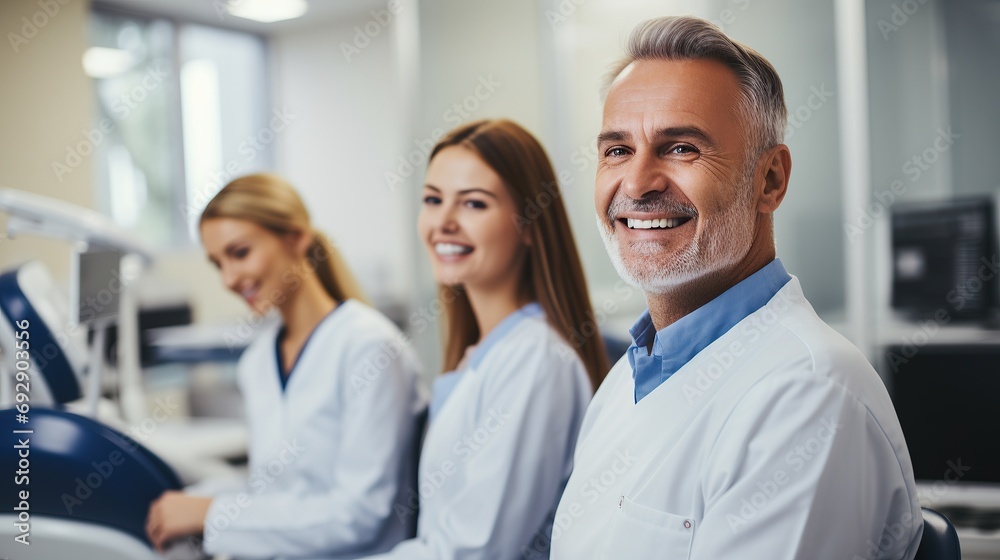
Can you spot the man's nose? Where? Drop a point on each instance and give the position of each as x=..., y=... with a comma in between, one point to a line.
x=644, y=175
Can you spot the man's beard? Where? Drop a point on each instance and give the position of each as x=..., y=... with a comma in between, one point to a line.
x=716, y=247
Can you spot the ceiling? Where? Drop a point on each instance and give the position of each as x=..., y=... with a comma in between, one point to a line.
x=320, y=12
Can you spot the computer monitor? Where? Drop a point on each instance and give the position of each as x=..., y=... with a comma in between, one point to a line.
x=96, y=285
x=946, y=399
x=941, y=254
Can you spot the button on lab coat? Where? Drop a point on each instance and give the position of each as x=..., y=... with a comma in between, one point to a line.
x=499, y=451
x=776, y=442
x=330, y=456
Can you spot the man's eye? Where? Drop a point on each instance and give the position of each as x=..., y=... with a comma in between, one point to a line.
x=241, y=252
x=683, y=149
x=617, y=151
x=431, y=199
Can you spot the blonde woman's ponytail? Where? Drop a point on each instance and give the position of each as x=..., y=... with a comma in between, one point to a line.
x=332, y=271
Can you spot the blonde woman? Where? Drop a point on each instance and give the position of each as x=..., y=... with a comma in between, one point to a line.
x=331, y=394
x=522, y=355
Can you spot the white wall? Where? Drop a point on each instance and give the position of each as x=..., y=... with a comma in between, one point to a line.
x=972, y=35
x=909, y=96
x=345, y=135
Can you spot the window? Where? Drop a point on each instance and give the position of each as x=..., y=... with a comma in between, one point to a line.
x=182, y=106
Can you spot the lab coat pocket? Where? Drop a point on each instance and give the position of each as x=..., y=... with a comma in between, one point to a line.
x=641, y=532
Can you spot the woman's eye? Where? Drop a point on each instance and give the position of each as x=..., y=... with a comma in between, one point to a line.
x=477, y=204
x=431, y=199
x=241, y=252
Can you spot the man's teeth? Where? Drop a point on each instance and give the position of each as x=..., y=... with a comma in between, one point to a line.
x=662, y=223
x=451, y=249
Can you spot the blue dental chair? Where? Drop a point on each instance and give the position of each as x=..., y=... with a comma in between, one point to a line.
x=940, y=540
x=88, y=486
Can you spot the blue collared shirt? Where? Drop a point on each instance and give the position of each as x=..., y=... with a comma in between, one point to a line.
x=446, y=382
x=677, y=343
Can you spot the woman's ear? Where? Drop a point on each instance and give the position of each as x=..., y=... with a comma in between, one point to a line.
x=299, y=242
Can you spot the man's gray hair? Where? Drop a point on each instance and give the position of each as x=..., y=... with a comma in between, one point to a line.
x=688, y=38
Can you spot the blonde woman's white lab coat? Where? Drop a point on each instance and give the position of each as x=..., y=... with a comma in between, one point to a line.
x=330, y=455
x=499, y=451
x=778, y=441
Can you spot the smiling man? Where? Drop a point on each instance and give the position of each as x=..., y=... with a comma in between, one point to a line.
x=738, y=425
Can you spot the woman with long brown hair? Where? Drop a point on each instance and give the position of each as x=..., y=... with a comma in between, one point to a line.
x=331, y=395
x=521, y=354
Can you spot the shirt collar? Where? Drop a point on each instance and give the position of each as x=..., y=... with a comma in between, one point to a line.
x=446, y=382
x=676, y=344
x=533, y=309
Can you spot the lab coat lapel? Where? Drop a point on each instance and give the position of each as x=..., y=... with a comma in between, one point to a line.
x=648, y=431
x=630, y=428
x=444, y=428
